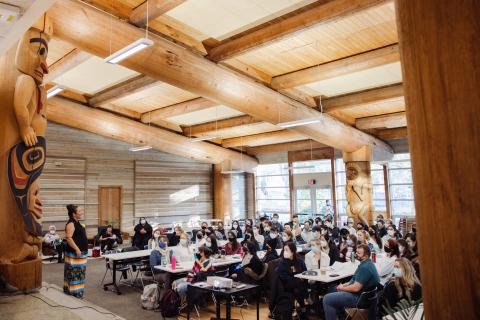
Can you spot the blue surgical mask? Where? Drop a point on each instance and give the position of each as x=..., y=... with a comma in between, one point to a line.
x=349, y=242
x=162, y=245
x=397, y=272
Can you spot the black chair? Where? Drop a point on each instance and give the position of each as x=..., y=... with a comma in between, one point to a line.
x=280, y=302
x=367, y=306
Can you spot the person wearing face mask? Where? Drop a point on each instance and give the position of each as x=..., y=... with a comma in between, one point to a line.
x=274, y=235
x=348, y=247
x=403, y=285
x=411, y=239
x=270, y=250
x=364, y=238
x=211, y=243
x=182, y=251
x=175, y=237
x=346, y=295
x=143, y=232
x=316, y=232
x=251, y=266
x=158, y=245
x=382, y=231
x=108, y=239
x=258, y=237
x=276, y=223
x=391, y=234
x=375, y=240
x=53, y=243
x=404, y=249
x=267, y=227
x=391, y=248
x=248, y=224
x=233, y=247
x=290, y=265
x=295, y=225
x=318, y=255
x=220, y=232
x=307, y=234
x=237, y=229
x=200, y=239
x=349, y=226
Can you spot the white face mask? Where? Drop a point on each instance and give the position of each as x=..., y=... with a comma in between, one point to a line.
x=323, y=243
x=255, y=231
x=390, y=233
x=401, y=249
x=183, y=242
x=397, y=272
x=143, y=221
x=208, y=244
x=267, y=229
x=315, y=249
x=235, y=225
x=287, y=255
x=284, y=238
x=275, y=219
x=273, y=235
x=156, y=235
x=52, y=231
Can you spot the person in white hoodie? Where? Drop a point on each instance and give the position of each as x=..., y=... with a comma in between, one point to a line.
x=182, y=251
x=318, y=255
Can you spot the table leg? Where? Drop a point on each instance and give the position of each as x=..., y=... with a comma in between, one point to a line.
x=228, y=308
x=217, y=306
x=258, y=303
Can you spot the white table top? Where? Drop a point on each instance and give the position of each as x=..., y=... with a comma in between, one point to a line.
x=345, y=270
x=127, y=255
x=186, y=266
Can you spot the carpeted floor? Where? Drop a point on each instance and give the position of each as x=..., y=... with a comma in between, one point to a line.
x=128, y=304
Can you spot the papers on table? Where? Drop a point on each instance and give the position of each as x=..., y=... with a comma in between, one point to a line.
x=186, y=266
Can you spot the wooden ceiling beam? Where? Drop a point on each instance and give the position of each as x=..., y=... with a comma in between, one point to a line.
x=393, y=133
x=392, y=120
x=213, y=126
x=285, y=147
x=262, y=139
x=122, y=89
x=193, y=105
x=103, y=123
x=328, y=70
x=87, y=29
x=155, y=9
x=392, y=94
x=67, y=62
x=281, y=28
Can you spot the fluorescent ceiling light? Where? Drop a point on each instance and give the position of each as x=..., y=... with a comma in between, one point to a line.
x=204, y=138
x=297, y=123
x=53, y=91
x=140, y=148
x=302, y=167
x=232, y=171
x=129, y=50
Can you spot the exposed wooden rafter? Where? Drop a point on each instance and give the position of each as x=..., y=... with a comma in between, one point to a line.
x=155, y=9
x=122, y=89
x=390, y=134
x=285, y=147
x=177, y=109
x=392, y=120
x=359, y=62
x=174, y=65
x=262, y=139
x=279, y=29
x=120, y=128
x=213, y=126
x=388, y=95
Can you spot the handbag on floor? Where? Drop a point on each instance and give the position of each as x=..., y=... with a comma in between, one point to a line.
x=150, y=297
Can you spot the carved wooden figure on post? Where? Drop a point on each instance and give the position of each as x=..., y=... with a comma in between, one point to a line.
x=23, y=125
x=359, y=191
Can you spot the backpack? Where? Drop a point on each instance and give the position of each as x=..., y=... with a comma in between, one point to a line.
x=170, y=304
x=149, y=297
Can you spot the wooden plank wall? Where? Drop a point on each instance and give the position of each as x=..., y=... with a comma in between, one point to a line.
x=109, y=162
x=180, y=189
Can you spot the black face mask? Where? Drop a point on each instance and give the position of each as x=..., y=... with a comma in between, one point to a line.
x=198, y=256
x=203, y=227
x=387, y=250
x=231, y=239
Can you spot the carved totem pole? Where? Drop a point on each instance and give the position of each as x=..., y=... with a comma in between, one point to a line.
x=359, y=191
x=22, y=156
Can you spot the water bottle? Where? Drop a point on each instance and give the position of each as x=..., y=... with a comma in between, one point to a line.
x=374, y=257
x=163, y=260
x=174, y=262
x=352, y=257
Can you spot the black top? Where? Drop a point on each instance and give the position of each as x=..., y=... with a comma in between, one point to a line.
x=390, y=294
x=79, y=236
x=255, y=264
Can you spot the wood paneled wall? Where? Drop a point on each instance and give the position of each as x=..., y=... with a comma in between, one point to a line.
x=109, y=162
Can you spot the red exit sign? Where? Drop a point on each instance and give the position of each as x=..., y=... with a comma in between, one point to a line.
x=311, y=181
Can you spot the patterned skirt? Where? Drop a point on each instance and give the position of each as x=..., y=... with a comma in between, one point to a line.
x=74, y=274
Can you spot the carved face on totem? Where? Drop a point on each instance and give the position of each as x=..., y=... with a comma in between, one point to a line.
x=34, y=202
x=352, y=173
x=32, y=54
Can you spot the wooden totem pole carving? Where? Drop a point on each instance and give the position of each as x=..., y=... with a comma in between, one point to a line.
x=359, y=191
x=22, y=155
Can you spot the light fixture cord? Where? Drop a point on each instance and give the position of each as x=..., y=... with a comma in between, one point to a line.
x=146, y=27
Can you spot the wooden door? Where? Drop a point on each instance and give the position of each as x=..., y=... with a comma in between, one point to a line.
x=110, y=206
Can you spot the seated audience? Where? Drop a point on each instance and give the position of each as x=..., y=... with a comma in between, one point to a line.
x=233, y=247
x=363, y=237
x=182, y=251
x=287, y=236
x=348, y=248
x=391, y=248
x=276, y=223
x=270, y=250
x=391, y=234
x=404, y=249
x=375, y=240
x=53, y=242
x=200, y=239
x=274, y=235
x=251, y=266
x=346, y=295
x=143, y=233
x=267, y=227
x=211, y=243
x=158, y=245
x=318, y=255
x=237, y=229
x=290, y=265
x=350, y=226
x=220, y=232
x=258, y=237
x=202, y=268
x=307, y=234
x=382, y=231
x=108, y=239
x=175, y=237
x=404, y=285
x=51, y=236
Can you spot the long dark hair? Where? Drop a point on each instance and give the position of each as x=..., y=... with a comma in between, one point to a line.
x=234, y=244
x=375, y=235
x=293, y=249
x=213, y=241
x=71, y=210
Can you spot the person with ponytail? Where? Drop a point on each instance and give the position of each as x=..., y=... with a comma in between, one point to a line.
x=76, y=253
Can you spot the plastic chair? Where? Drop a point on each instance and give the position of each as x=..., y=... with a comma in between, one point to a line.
x=366, y=308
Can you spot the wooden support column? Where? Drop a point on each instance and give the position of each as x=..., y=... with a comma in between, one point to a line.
x=359, y=191
x=440, y=53
x=387, y=192
x=222, y=192
x=334, y=192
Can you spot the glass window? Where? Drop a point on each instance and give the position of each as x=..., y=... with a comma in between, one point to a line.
x=238, y=197
x=401, y=186
x=272, y=190
x=272, y=169
x=400, y=176
x=312, y=166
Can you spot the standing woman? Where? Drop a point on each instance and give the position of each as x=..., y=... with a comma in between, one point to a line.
x=76, y=254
